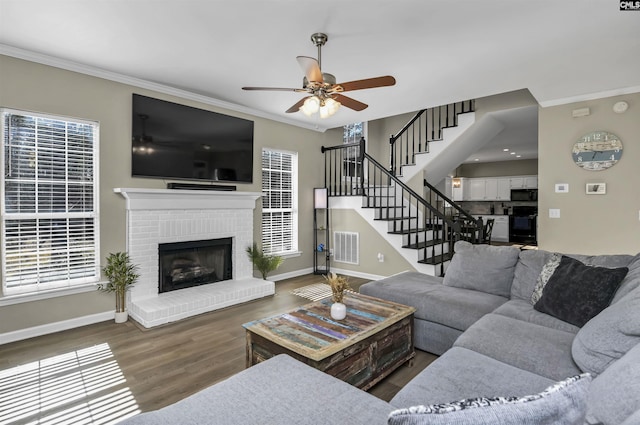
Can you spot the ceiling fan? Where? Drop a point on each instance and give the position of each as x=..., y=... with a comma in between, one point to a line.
x=325, y=95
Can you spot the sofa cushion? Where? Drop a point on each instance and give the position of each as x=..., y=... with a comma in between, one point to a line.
x=537, y=349
x=576, y=292
x=453, y=307
x=304, y=395
x=483, y=268
x=615, y=394
x=523, y=310
x=631, y=280
x=609, y=335
x=531, y=261
x=563, y=403
x=461, y=373
x=527, y=271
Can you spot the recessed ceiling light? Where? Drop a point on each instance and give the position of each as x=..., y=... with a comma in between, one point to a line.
x=518, y=156
x=505, y=150
x=477, y=159
x=512, y=153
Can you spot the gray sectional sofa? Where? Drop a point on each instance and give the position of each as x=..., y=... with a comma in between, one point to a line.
x=505, y=322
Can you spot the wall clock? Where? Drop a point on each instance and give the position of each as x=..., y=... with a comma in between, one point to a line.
x=597, y=151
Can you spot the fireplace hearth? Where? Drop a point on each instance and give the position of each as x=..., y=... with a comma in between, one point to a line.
x=193, y=263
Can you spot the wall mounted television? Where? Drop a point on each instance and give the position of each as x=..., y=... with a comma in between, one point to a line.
x=173, y=141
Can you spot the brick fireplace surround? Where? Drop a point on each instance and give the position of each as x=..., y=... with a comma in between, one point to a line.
x=156, y=216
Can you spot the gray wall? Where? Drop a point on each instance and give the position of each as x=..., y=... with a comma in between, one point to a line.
x=589, y=224
x=33, y=87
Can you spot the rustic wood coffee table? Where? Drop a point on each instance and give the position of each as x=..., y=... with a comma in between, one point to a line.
x=374, y=339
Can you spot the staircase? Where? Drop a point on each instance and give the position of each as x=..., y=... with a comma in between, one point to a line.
x=423, y=230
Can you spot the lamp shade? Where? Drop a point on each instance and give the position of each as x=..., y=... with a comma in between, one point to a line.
x=320, y=199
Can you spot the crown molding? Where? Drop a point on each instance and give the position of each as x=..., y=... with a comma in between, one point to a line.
x=144, y=84
x=590, y=96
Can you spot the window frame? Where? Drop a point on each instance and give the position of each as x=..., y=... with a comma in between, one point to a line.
x=40, y=289
x=294, y=251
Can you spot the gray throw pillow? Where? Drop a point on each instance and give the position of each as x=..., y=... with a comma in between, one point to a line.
x=576, y=292
x=563, y=403
x=482, y=268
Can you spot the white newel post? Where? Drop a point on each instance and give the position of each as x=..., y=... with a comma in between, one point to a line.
x=156, y=216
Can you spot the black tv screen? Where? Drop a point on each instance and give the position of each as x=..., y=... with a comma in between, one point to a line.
x=172, y=141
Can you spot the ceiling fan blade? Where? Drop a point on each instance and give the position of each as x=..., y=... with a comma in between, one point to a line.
x=350, y=103
x=311, y=68
x=368, y=83
x=274, y=89
x=297, y=105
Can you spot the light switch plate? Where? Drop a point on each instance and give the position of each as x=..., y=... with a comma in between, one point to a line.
x=554, y=213
x=562, y=187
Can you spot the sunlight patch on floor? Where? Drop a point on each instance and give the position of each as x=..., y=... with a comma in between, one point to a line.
x=81, y=387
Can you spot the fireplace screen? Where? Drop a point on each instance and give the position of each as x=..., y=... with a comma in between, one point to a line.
x=193, y=263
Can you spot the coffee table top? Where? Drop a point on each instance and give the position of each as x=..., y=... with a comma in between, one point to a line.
x=310, y=331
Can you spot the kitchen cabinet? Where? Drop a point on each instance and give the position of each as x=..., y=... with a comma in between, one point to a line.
x=459, y=192
x=477, y=190
x=489, y=189
x=524, y=182
x=500, y=231
x=504, y=189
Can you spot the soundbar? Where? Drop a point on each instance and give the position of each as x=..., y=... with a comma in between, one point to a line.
x=194, y=186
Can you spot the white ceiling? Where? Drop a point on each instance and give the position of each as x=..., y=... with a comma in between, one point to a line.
x=439, y=51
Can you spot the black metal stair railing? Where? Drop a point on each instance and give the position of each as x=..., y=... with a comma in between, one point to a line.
x=425, y=127
x=431, y=226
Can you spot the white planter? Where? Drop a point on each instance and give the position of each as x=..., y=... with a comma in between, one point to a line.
x=338, y=311
x=122, y=316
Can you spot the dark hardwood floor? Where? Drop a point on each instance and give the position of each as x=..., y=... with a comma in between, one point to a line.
x=104, y=372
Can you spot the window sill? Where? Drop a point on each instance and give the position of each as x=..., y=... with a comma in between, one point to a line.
x=291, y=254
x=43, y=295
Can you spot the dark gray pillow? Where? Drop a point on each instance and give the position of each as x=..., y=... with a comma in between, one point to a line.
x=561, y=404
x=576, y=292
x=482, y=268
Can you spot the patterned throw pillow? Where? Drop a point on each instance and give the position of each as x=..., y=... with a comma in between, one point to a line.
x=547, y=270
x=563, y=403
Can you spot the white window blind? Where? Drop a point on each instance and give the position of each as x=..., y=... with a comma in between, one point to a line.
x=279, y=202
x=50, y=198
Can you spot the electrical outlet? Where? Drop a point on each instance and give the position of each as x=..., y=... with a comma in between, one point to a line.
x=554, y=213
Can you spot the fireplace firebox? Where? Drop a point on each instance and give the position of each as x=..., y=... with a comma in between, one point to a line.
x=187, y=264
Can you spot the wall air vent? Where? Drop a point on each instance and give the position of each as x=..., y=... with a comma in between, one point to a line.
x=346, y=247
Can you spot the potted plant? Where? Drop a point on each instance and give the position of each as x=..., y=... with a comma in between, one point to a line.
x=263, y=262
x=338, y=285
x=122, y=275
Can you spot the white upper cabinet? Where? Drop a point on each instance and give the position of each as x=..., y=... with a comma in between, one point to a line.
x=524, y=182
x=489, y=188
x=477, y=190
x=504, y=189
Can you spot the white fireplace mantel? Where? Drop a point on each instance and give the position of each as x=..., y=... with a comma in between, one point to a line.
x=156, y=216
x=179, y=199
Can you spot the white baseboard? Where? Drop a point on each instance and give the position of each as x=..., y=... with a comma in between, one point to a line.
x=357, y=274
x=289, y=275
x=50, y=328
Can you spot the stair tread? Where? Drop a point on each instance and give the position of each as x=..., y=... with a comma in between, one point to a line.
x=424, y=244
x=436, y=259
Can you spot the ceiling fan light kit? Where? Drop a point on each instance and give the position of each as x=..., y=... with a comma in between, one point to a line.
x=324, y=93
